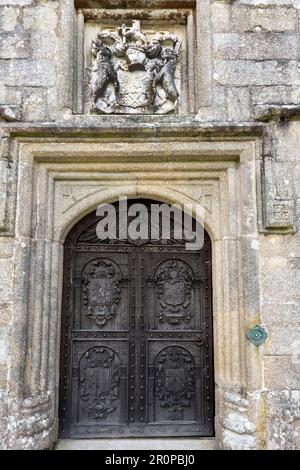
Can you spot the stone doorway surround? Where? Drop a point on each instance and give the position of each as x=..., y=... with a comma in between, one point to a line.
x=65, y=172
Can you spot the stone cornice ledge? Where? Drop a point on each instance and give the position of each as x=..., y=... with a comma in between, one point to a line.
x=134, y=127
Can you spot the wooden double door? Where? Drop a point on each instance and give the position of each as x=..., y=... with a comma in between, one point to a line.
x=136, y=349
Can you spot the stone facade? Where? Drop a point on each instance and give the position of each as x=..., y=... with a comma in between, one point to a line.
x=234, y=143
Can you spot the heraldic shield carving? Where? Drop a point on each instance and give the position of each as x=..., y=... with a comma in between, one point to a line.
x=101, y=291
x=133, y=73
x=99, y=383
x=174, y=283
x=174, y=380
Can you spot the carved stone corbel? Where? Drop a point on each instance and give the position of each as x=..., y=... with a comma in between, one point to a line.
x=10, y=113
x=267, y=113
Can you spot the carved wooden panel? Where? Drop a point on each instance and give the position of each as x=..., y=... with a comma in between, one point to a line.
x=101, y=287
x=101, y=291
x=136, y=338
x=174, y=387
x=99, y=384
x=174, y=291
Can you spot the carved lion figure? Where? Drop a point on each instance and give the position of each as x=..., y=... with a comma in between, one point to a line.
x=166, y=77
x=103, y=72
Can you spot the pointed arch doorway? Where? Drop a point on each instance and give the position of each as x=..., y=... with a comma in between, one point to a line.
x=137, y=345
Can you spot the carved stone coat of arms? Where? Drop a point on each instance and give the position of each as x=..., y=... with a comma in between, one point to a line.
x=133, y=73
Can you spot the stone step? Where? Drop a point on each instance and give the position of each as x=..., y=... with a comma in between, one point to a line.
x=136, y=444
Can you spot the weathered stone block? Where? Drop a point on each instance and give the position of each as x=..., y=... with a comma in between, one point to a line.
x=42, y=17
x=270, y=3
x=52, y=102
x=220, y=17
x=296, y=175
x=16, y=2
x=10, y=95
x=245, y=73
x=9, y=18
x=6, y=280
x=2, y=93
x=3, y=385
x=297, y=215
x=296, y=434
x=238, y=423
x=283, y=339
x=287, y=143
x=284, y=180
x=232, y=440
x=34, y=108
x=5, y=313
x=279, y=371
x=4, y=345
x=251, y=297
x=272, y=245
x=281, y=312
x=273, y=19
x=218, y=110
x=281, y=411
x=293, y=246
x=31, y=73
x=274, y=263
x=279, y=282
x=239, y=105
x=276, y=95
x=15, y=46
x=240, y=19
x=255, y=46
x=44, y=44
x=3, y=70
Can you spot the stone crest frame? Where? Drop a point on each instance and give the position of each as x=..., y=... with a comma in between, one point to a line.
x=192, y=15
x=61, y=179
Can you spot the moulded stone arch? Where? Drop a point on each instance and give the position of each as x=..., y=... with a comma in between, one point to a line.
x=160, y=195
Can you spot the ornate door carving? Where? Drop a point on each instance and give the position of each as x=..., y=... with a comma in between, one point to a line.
x=136, y=351
x=174, y=381
x=174, y=289
x=101, y=291
x=99, y=379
